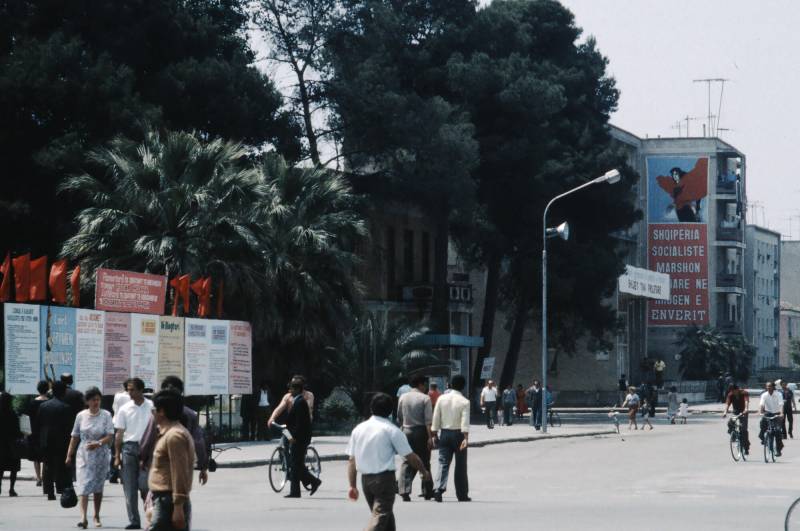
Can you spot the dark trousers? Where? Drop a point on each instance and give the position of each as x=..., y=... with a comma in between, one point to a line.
x=491, y=413
x=449, y=443
x=249, y=428
x=262, y=415
x=162, y=513
x=56, y=475
x=763, y=428
x=536, y=414
x=380, y=491
x=508, y=414
x=659, y=379
x=788, y=418
x=298, y=473
x=743, y=430
x=418, y=440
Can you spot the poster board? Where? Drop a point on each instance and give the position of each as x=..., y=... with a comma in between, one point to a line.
x=22, y=348
x=144, y=348
x=218, y=361
x=90, y=343
x=57, y=325
x=240, y=351
x=197, y=345
x=127, y=291
x=117, y=346
x=170, y=347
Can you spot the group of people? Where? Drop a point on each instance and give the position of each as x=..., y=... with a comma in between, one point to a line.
x=75, y=445
x=777, y=400
x=644, y=400
x=514, y=403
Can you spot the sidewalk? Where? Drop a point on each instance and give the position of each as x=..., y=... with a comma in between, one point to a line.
x=332, y=448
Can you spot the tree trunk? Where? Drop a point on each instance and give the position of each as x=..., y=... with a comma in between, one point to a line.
x=514, y=344
x=489, y=315
x=313, y=151
x=440, y=314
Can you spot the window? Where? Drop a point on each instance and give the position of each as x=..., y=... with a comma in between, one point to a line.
x=408, y=255
x=426, y=257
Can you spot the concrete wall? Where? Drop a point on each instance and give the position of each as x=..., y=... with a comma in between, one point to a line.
x=790, y=272
x=762, y=279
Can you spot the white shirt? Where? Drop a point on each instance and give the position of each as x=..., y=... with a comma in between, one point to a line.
x=451, y=413
x=120, y=399
x=683, y=409
x=772, y=403
x=264, y=400
x=489, y=395
x=133, y=420
x=374, y=443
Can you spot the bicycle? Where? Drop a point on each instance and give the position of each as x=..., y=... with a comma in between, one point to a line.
x=792, y=520
x=736, y=442
x=771, y=437
x=278, y=468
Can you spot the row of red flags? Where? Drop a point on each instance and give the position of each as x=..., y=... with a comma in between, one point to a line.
x=31, y=284
x=31, y=280
x=200, y=287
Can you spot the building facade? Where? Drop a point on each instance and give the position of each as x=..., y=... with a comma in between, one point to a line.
x=762, y=267
x=788, y=332
x=790, y=272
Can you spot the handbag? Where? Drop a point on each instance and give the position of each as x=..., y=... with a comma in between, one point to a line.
x=68, y=497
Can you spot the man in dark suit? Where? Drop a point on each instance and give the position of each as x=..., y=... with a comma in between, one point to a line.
x=72, y=397
x=298, y=422
x=54, y=422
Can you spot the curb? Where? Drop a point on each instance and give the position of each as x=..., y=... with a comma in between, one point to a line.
x=344, y=457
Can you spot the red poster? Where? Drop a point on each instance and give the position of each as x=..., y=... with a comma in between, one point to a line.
x=126, y=291
x=681, y=251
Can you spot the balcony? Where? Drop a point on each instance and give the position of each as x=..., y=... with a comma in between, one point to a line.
x=726, y=187
x=729, y=327
x=728, y=280
x=729, y=234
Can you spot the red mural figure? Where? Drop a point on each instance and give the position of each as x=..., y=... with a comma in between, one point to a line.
x=686, y=190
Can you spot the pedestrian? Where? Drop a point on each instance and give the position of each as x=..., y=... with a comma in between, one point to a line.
x=648, y=411
x=450, y=427
x=248, y=410
x=632, y=403
x=739, y=399
x=434, y=393
x=672, y=404
x=189, y=419
x=130, y=423
x=90, y=445
x=789, y=409
x=298, y=423
x=120, y=399
x=287, y=401
x=683, y=411
x=659, y=367
x=721, y=388
x=55, y=428
x=170, y=477
x=415, y=414
x=10, y=438
x=771, y=405
x=509, y=402
x=489, y=403
x=533, y=397
x=35, y=453
x=262, y=412
x=622, y=386
x=522, y=408
x=73, y=397
x=371, y=450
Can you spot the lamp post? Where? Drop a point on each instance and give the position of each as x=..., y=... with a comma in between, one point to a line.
x=611, y=177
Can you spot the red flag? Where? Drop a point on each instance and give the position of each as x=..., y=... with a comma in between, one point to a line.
x=58, y=282
x=202, y=288
x=75, y=285
x=5, y=287
x=22, y=277
x=181, y=286
x=219, y=299
x=38, y=288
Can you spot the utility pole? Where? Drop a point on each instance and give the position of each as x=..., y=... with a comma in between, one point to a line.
x=710, y=124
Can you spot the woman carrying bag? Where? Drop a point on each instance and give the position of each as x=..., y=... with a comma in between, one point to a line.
x=92, y=435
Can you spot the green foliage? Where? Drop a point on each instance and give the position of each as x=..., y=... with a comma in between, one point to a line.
x=73, y=75
x=706, y=353
x=338, y=407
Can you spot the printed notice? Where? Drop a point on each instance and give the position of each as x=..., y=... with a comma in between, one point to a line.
x=22, y=348
x=197, y=345
x=218, y=358
x=89, y=336
x=144, y=348
x=170, y=347
x=57, y=327
x=117, y=363
x=240, y=350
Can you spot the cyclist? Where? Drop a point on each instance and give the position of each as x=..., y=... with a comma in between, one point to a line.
x=739, y=400
x=771, y=406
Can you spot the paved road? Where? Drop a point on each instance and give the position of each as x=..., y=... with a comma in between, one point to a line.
x=674, y=477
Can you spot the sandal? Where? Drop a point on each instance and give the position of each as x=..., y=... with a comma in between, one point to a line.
x=97, y=522
x=83, y=525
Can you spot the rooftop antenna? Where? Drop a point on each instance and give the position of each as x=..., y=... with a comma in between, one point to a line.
x=710, y=117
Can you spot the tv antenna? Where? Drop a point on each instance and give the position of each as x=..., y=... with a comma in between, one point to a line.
x=687, y=119
x=710, y=117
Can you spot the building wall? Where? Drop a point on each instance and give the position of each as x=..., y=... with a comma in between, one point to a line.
x=790, y=272
x=762, y=278
x=789, y=330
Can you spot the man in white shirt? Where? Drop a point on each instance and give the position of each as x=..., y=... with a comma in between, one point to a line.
x=489, y=403
x=450, y=427
x=262, y=412
x=372, y=447
x=771, y=405
x=131, y=422
x=414, y=411
x=120, y=399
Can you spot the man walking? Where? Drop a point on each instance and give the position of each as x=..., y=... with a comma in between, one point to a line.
x=450, y=427
x=489, y=403
x=170, y=478
x=298, y=422
x=72, y=397
x=372, y=447
x=509, y=401
x=54, y=426
x=789, y=409
x=415, y=414
x=131, y=422
x=533, y=397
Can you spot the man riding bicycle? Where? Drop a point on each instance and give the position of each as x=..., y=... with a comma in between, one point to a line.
x=739, y=400
x=771, y=406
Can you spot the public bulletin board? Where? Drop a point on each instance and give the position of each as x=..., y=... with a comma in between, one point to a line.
x=104, y=348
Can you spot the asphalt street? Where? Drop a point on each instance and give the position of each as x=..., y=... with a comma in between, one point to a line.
x=674, y=477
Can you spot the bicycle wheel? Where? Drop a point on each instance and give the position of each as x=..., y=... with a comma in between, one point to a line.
x=792, y=521
x=313, y=464
x=772, y=444
x=278, y=470
x=736, y=447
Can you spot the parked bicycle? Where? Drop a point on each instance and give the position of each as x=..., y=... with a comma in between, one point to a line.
x=278, y=468
x=771, y=437
x=736, y=438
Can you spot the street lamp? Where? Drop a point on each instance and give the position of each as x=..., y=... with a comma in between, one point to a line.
x=610, y=177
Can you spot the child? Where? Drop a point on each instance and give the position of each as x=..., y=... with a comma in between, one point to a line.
x=683, y=411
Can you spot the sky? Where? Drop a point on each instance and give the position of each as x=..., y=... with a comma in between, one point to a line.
x=655, y=50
